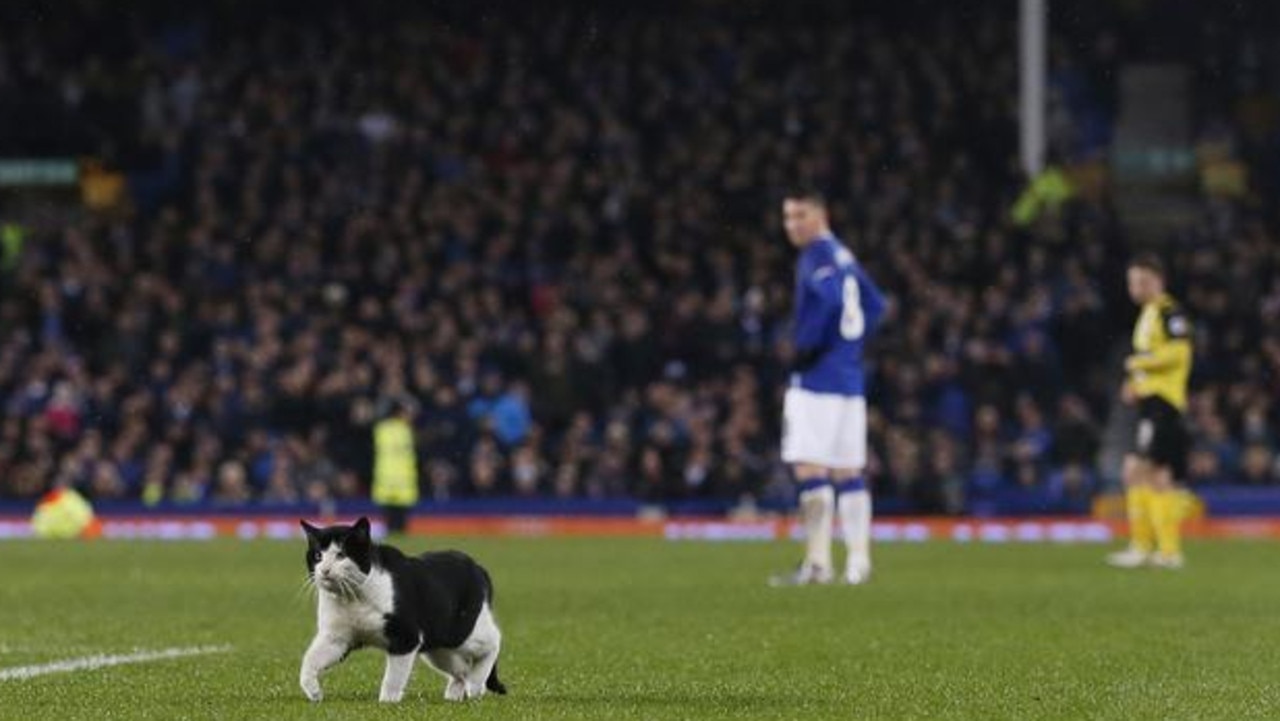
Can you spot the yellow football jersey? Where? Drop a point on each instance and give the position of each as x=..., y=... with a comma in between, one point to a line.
x=1161, y=360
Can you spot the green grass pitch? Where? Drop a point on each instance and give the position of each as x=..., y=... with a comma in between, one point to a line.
x=647, y=629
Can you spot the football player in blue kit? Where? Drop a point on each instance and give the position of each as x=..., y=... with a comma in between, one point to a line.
x=824, y=440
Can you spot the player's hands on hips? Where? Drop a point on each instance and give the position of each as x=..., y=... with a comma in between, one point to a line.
x=805, y=358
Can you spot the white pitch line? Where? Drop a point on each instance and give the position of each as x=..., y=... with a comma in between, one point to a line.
x=89, y=663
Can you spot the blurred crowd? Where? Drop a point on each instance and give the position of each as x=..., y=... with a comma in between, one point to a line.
x=555, y=234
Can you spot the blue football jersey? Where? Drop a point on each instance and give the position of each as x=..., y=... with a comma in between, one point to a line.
x=837, y=307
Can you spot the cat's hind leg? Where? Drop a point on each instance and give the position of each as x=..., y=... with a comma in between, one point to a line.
x=482, y=648
x=453, y=666
x=325, y=651
x=477, y=680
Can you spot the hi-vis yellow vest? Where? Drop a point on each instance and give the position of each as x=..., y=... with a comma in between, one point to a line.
x=395, y=464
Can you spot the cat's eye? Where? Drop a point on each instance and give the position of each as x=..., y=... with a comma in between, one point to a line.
x=315, y=556
x=340, y=555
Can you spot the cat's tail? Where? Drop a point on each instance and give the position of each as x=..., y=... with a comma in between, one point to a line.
x=493, y=684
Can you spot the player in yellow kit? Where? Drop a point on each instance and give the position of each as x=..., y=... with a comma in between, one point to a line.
x=1156, y=382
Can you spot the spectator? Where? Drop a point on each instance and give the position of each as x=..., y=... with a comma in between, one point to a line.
x=1258, y=466
x=510, y=415
x=527, y=471
x=1204, y=468
x=232, y=488
x=1030, y=450
x=1075, y=438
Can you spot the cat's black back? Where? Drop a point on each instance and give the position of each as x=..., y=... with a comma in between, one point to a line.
x=438, y=597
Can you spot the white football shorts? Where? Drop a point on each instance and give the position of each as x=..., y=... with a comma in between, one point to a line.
x=824, y=429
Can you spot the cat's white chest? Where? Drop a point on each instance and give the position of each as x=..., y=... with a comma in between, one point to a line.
x=361, y=618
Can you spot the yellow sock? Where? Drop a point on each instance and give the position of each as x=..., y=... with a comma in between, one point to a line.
x=1141, y=531
x=1165, y=508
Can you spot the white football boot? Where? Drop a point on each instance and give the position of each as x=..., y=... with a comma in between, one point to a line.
x=1171, y=562
x=1128, y=558
x=806, y=574
x=856, y=575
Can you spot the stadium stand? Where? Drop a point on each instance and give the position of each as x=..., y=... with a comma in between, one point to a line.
x=556, y=234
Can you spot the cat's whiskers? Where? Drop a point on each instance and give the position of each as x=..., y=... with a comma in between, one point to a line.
x=349, y=588
x=307, y=587
x=339, y=586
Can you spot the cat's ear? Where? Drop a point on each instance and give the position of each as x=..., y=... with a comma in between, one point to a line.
x=361, y=529
x=309, y=529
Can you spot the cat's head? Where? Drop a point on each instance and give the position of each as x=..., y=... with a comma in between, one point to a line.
x=339, y=558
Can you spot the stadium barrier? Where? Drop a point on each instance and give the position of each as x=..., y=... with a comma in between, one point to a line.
x=1224, y=512
x=907, y=529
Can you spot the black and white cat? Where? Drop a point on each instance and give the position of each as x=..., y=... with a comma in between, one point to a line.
x=437, y=606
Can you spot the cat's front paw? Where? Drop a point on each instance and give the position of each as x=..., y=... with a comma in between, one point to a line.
x=455, y=691
x=311, y=687
x=387, y=697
